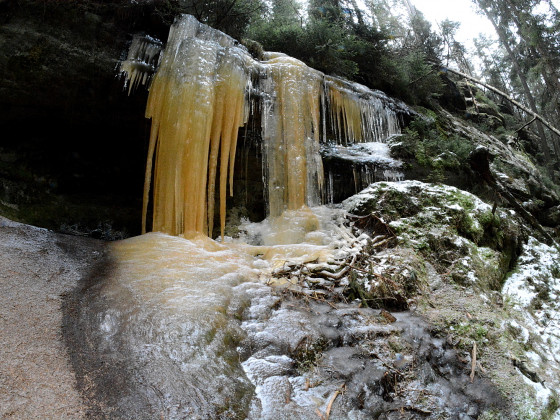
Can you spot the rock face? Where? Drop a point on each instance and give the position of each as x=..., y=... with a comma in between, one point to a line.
x=72, y=158
x=73, y=144
x=484, y=284
x=455, y=230
x=73, y=151
x=436, y=147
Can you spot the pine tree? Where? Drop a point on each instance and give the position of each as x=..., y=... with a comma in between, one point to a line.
x=502, y=16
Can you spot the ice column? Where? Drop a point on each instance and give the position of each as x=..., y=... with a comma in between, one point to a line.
x=197, y=104
x=291, y=132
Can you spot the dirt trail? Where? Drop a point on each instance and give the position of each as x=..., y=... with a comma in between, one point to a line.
x=37, y=267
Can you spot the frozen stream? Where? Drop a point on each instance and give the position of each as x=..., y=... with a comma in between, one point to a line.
x=181, y=328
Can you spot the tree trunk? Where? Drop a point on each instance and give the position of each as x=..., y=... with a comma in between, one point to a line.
x=358, y=12
x=527, y=92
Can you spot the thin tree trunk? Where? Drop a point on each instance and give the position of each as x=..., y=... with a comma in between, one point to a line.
x=528, y=95
x=358, y=12
x=538, y=49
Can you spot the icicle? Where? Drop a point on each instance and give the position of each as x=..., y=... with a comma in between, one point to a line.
x=357, y=115
x=330, y=187
x=356, y=174
x=141, y=62
x=291, y=129
x=197, y=104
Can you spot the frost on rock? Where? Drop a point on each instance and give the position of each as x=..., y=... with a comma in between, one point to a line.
x=452, y=229
x=352, y=363
x=533, y=289
x=465, y=251
x=365, y=163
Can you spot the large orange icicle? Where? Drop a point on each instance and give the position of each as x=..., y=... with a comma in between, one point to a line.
x=196, y=104
x=291, y=133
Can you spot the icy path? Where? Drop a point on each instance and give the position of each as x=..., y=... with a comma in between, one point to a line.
x=36, y=268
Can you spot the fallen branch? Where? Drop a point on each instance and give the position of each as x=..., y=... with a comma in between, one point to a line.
x=379, y=276
x=413, y=409
x=421, y=77
x=506, y=96
x=315, y=296
x=480, y=367
x=526, y=124
x=473, y=362
x=329, y=407
x=473, y=98
x=383, y=242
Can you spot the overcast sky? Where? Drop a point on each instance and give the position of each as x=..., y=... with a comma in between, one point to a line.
x=462, y=11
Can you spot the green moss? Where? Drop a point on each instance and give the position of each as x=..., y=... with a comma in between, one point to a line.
x=255, y=48
x=552, y=406
x=428, y=143
x=492, y=415
x=488, y=268
x=488, y=219
x=470, y=228
x=421, y=246
x=463, y=200
x=396, y=344
x=465, y=333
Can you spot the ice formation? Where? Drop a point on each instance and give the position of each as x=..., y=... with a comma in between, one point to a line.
x=172, y=308
x=197, y=104
x=141, y=61
x=173, y=301
x=206, y=88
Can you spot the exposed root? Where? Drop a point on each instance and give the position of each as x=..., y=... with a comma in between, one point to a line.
x=341, y=273
x=352, y=277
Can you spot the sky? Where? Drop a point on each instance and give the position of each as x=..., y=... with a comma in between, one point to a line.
x=472, y=23
x=462, y=11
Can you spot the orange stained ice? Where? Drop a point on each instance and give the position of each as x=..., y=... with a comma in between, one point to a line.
x=297, y=89
x=197, y=104
x=198, y=100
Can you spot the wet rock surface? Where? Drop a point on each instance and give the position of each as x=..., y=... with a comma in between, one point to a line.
x=293, y=349
x=350, y=362
x=73, y=151
x=302, y=357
